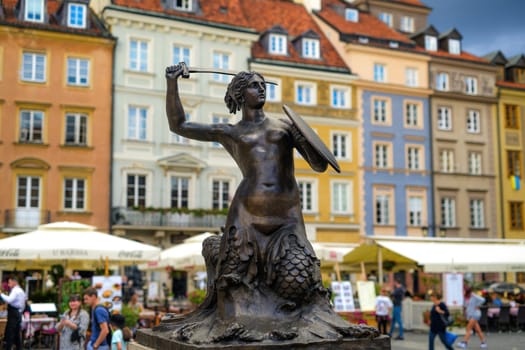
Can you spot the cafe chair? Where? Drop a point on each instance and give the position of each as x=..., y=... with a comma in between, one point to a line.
x=520, y=318
x=504, y=318
x=484, y=320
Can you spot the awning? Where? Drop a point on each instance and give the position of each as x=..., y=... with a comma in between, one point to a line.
x=461, y=256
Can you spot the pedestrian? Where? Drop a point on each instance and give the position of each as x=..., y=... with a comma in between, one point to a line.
x=73, y=325
x=16, y=302
x=99, y=321
x=121, y=334
x=397, y=299
x=383, y=307
x=438, y=314
x=473, y=314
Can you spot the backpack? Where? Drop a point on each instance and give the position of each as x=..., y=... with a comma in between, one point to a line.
x=109, y=335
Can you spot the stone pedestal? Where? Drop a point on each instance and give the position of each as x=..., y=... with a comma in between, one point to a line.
x=147, y=339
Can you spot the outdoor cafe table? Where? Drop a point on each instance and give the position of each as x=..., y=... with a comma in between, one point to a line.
x=36, y=323
x=494, y=311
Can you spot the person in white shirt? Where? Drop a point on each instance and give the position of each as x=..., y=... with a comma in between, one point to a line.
x=383, y=307
x=16, y=302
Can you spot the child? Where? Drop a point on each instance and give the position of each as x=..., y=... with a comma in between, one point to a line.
x=121, y=334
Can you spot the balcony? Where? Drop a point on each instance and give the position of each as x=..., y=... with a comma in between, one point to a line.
x=121, y=216
x=25, y=219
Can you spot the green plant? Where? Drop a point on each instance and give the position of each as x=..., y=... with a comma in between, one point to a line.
x=131, y=315
x=197, y=296
x=68, y=287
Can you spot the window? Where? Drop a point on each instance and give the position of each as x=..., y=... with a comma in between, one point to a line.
x=311, y=48
x=474, y=163
x=407, y=24
x=512, y=117
x=387, y=18
x=217, y=119
x=74, y=194
x=414, y=157
x=181, y=54
x=28, y=192
x=471, y=85
x=184, y=5
x=454, y=46
x=136, y=191
x=513, y=163
x=516, y=215
x=176, y=138
x=446, y=160
x=33, y=67
x=137, y=123
x=221, y=61
x=430, y=43
x=305, y=94
x=340, y=197
x=412, y=114
x=34, y=10
x=278, y=44
x=473, y=121
x=179, y=192
x=76, y=129
x=411, y=77
x=476, y=213
x=444, y=118
x=76, y=16
x=379, y=73
x=341, y=145
x=220, y=194
x=442, y=81
x=380, y=111
x=138, y=55
x=31, y=126
x=352, y=15
x=273, y=91
x=307, y=191
x=448, y=212
x=415, y=211
x=382, y=209
x=77, y=71
x=340, y=97
x=382, y=155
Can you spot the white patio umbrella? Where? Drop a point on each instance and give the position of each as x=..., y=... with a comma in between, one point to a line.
x=65, y=241
x=183, y=256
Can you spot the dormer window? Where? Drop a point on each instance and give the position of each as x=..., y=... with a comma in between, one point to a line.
x=352, y=15
x=407, y=24
x=278, y=44
x=34, y=10
x=454, y=46
x=430, y=43
x=387, y=18
x=184, y=5
x=393, y=44
x=76, y=15
x=310, y=48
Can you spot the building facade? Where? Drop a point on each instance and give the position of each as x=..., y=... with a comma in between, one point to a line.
x=56, y=62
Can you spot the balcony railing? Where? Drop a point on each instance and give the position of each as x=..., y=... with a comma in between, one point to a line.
x=25, y=219
x=166, y=218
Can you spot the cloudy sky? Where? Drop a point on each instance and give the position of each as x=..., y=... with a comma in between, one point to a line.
x=486, y=25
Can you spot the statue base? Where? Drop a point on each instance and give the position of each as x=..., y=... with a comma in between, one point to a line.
x=147, y=339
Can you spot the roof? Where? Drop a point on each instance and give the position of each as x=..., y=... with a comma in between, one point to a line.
x=416, y=3
x=368, y=25
x=511, y=85
x=496, y=57
x=254, y=15
x=516, y=61
x=95, y=28
x=465, y=56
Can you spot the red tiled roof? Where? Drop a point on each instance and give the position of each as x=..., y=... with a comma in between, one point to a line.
x=52, y=7
x=295, y=19
x=463, y=56
x=368, y=25
x=411, y=2
x=511, y=84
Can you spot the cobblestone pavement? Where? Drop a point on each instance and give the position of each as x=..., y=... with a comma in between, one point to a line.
x=495, y=341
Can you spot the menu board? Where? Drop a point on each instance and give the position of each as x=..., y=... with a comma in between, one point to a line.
x=109, y=291
x=343, y=296
x=367, y=295
x=453, y=288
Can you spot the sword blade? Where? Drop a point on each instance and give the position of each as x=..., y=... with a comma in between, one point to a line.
x=220, y=71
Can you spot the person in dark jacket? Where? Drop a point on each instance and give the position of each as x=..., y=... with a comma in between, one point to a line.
x=438, y=314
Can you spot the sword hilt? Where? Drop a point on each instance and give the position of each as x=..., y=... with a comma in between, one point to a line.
x=185, y=70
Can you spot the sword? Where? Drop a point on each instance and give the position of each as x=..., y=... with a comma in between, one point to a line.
x=187, y=70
